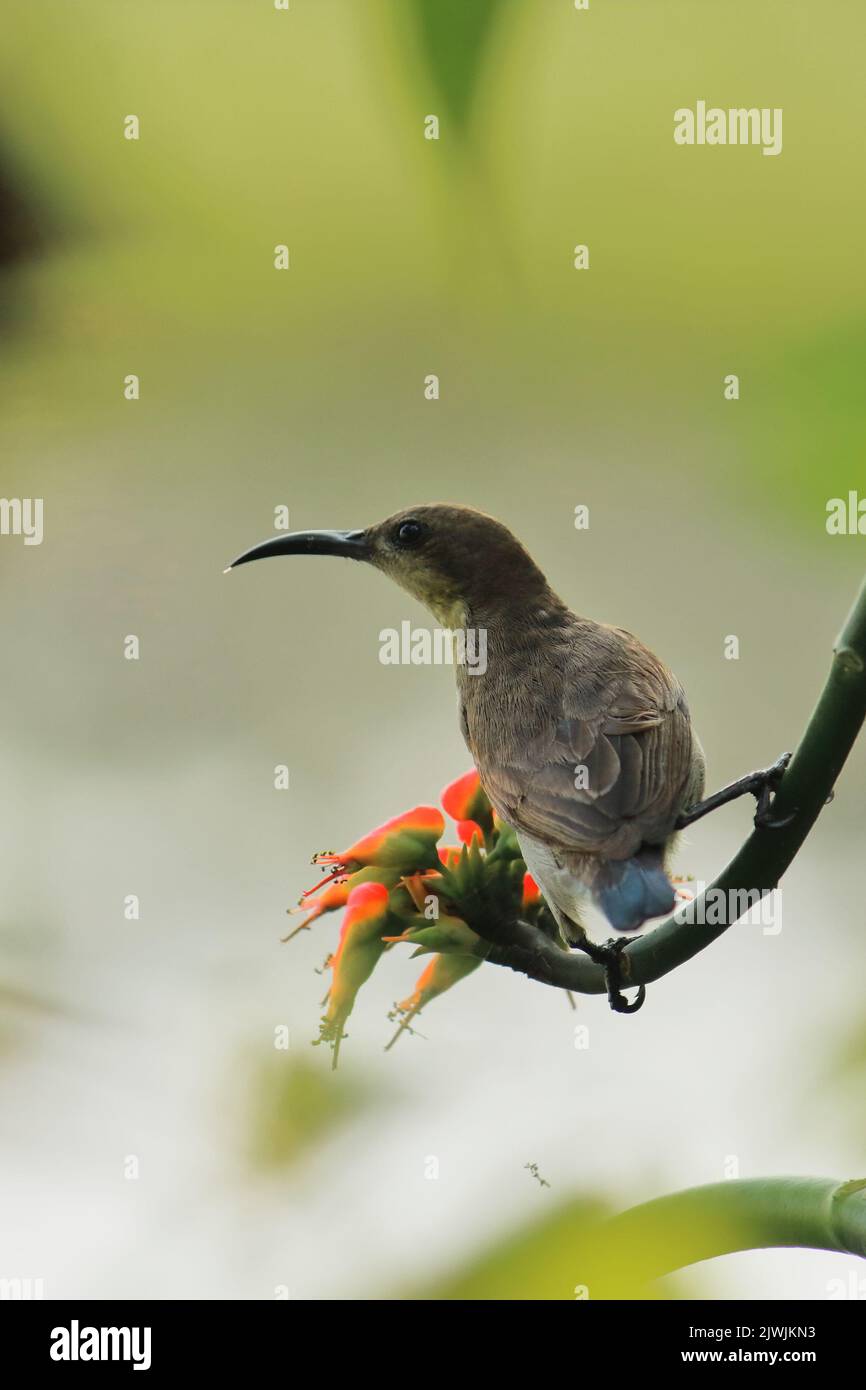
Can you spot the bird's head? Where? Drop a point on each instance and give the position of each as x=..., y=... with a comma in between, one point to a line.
x=455, y=560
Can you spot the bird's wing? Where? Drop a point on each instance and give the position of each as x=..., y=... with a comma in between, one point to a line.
x=611, y=765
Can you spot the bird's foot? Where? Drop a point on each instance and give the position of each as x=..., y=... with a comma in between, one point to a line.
x=762, y=785
x=764, y=791
x=610, y=958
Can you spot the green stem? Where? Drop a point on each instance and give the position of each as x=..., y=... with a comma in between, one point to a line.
x=702, y=1223
x=757, y=866
x=573, y=1251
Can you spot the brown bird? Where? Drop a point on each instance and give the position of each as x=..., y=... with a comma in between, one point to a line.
x=581, y=735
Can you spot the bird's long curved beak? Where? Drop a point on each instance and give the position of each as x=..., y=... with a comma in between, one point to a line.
x=352, y=544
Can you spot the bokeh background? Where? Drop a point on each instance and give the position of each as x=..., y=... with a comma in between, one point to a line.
x=258, y=1169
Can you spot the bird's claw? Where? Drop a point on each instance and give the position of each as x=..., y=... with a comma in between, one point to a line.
x=765, y=785
x=609, y=957
x=764, y=821
x=620, y=1004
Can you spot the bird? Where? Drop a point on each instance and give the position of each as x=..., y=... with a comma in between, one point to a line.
x=581, y=735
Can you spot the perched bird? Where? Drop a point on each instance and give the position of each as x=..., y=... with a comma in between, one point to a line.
x=581, y=735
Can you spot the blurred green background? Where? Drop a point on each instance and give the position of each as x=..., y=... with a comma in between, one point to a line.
x=257, y=1169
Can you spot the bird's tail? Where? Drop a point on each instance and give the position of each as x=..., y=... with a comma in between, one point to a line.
x=629, y=891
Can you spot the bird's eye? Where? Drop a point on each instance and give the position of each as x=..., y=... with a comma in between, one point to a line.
x=409, y=533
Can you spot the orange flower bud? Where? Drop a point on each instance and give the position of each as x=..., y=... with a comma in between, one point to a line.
x=407, y=842
x=361, y=947
x=450, y=855
x=531, y=892
x=441, y=974
x=469, y=830
x=337, y=894
x=465, y=799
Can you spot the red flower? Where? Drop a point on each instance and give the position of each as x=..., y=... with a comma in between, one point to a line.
x=441, y=974
x=531, y=892
x=465, y=799
x=389, y=880
x=336, y=895
x=469, y=830
x=407, y=842
x=356, y=957
x=450, y=855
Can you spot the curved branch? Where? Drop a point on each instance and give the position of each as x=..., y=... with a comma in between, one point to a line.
x=576, y=1250
x=701, y=1223
x=757, y=866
